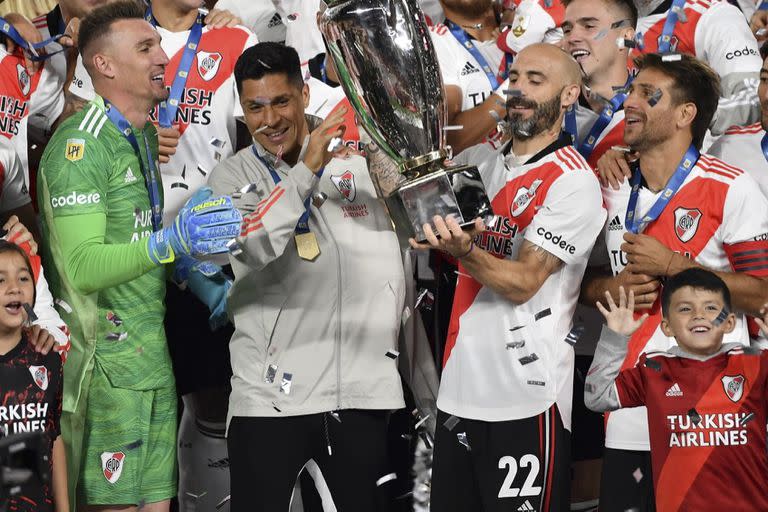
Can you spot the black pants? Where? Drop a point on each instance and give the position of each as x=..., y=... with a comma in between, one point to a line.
x=266, y=455
x=509, y=466
x=627, y=481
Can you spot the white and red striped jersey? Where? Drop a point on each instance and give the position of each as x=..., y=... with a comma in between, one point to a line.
x=506, y=361
x=717, y=33
x=13, y=190
x=740, y=146
x=208, y=109
x=24, y=99
x=535, y=21
x=719, y=218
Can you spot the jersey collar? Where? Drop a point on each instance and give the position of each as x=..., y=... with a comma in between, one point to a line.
x=562, y=141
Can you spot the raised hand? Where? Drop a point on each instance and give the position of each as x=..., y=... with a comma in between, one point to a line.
x=621, y=319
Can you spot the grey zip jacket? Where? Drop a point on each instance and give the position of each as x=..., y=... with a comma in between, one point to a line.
x=311, y=336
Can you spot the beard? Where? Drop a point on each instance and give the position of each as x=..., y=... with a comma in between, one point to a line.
x=544, y=117
x=469, y=8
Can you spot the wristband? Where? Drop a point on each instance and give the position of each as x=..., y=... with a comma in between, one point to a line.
x=471, y=246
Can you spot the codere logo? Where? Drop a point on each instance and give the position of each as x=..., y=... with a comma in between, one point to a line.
x=74, y=198
x=209, y=204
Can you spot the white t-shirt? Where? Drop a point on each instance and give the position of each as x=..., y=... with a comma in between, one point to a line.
x=36, y=99
x=716, y=214
x=490, y=374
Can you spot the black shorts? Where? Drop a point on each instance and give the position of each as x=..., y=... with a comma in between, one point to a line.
x=627, y=481
x=587, y=427
x=519, y=465
x=200, y=357
x=267, y=454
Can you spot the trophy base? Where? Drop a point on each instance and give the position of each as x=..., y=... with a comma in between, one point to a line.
x=456, y=191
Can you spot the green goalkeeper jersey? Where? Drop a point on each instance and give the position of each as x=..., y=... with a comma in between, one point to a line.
x=96, y=218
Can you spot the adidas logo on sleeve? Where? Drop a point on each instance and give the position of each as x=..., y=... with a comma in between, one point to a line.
x=615, y=224
x=469, y=69
x=674, y=390
x=526, y=506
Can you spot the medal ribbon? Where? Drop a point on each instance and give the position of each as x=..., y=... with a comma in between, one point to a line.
x=463, y=38
x=587, y=146
x=149, y=171
x=684, y=168
x=166, y=112
x=303, y=225
x=665, y=40
x=10, y=31
x=764, y=146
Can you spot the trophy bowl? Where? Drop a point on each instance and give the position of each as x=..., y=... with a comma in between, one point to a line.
x=389, y=71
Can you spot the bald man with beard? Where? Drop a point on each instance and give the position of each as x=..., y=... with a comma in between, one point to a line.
x=503, y=440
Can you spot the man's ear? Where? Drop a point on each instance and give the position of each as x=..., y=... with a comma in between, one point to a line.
x=569, y=95
x=103, y=65
x=305, y=95
x=685, y=114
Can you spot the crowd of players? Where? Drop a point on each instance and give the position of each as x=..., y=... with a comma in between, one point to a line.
x=204, y=237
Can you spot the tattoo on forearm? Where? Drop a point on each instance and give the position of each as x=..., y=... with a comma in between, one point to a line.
x=549, y=261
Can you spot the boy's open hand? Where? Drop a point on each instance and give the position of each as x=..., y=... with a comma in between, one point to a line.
x=621, y=318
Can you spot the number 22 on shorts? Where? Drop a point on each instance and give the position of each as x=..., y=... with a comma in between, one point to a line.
x=528, y=489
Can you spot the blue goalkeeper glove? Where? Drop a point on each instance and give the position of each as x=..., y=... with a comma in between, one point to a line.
x=203, y=226
x=208, y=283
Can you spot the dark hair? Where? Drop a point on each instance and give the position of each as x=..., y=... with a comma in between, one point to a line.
x=6, y=247
x=764, y=50
x=697, y=278
x=99, y=22
x=694, y=82
x=266, y=58
x=627, y=8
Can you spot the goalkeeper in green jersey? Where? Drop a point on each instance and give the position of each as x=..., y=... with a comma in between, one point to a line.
x=101, y=202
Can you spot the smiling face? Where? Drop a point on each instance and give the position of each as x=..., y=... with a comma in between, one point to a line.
x=541, y=91
x=274, y=113
x=692, y=319
x=133, y=61
x=16, y=288
x=647, y=125
x=590, y=38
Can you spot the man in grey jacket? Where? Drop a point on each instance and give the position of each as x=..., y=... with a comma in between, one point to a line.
x=316, y=302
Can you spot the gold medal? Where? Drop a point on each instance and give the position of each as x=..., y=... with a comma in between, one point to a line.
x=306, y=246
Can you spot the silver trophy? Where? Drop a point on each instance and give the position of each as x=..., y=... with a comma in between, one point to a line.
x=388, y=68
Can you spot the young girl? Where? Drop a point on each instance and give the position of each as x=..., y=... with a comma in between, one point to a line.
x=30, y=385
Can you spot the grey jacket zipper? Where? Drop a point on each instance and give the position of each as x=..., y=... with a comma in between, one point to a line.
x=338, y=310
